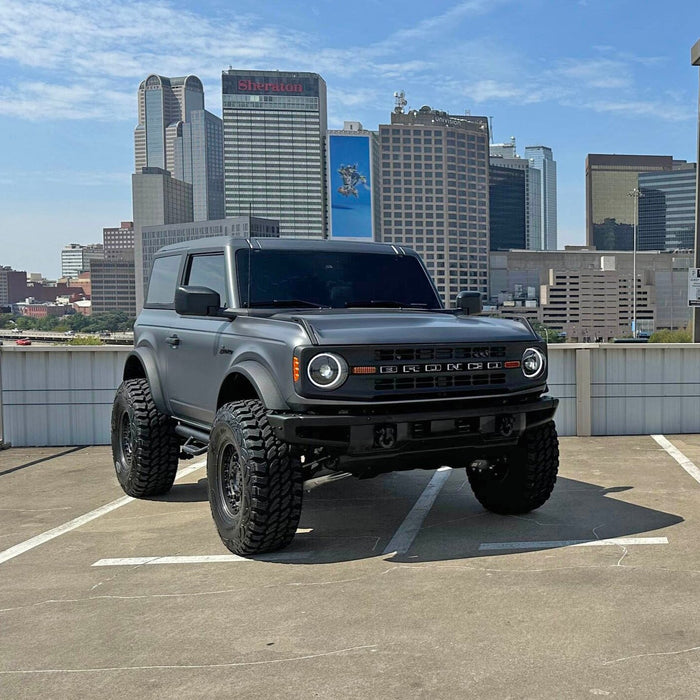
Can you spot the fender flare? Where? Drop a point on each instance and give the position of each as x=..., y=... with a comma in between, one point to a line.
x=263, y=383
x=146, y=358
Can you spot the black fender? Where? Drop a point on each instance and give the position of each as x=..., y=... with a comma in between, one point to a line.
x=263, y=383
x=145, y=356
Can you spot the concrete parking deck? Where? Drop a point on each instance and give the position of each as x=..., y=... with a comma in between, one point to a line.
x=125, y=604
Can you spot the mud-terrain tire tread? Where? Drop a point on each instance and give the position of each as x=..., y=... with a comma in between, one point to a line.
x=273, y=481
x=156, y=447
x=530, y=478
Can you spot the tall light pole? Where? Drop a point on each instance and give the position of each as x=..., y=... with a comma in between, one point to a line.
x=635, y=194
x=695, y=60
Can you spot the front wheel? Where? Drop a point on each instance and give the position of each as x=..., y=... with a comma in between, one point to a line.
x=255, y=488
x=523, y=480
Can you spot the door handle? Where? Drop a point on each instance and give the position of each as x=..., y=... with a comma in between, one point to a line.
x=173, y=340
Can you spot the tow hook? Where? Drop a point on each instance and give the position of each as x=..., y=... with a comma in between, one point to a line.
x=385, y=436
x=505, y=425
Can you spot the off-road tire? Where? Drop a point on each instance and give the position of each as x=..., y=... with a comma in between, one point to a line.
x=525, y=479
x=145, y=448
x=255, y=488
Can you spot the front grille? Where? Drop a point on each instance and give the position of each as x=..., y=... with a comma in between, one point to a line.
x=477, y=352
x=439, y=382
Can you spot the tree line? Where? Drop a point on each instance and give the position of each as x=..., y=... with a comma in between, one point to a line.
x=113, y=321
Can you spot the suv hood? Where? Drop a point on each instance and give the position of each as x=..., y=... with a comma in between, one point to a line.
x=364, y=327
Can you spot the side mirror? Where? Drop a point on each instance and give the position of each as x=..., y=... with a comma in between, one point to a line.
x=197, y=301
x=469, y=302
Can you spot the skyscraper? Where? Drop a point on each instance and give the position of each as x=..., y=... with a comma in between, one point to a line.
x=533, y=200
x=667, y=209
x=507, y=206
x=199, y=160
x=274, y=136
x=162, y=104
x=609, y=209
x=435, y=194
x=541, y=159
x=175, y=133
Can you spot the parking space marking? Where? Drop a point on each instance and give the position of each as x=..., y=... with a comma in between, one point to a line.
x=81, y=520
x=201, y=559
x=553, y=544
x=687, y=464
x=139, y=561
x=403, y=538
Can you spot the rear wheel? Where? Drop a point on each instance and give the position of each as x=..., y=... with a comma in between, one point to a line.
x=523, y=480
x=255, y=488
x=145, y=448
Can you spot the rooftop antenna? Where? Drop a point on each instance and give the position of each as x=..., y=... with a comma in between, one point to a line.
x=399, y=101
x=491, y=129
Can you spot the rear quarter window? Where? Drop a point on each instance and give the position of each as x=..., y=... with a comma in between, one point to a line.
x=163, y=282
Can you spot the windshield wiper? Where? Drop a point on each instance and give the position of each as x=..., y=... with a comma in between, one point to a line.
x=286, y=304
x=384, y=303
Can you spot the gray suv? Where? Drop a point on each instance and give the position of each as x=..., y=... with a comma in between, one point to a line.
x=287, y=359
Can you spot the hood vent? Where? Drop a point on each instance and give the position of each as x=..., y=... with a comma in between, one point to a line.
x=479, y=352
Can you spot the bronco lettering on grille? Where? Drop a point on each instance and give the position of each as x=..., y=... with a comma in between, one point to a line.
x=433, y=368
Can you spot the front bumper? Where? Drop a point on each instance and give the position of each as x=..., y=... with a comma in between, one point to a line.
x=423, y=438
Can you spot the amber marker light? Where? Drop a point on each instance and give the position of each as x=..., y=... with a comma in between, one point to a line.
x=364, y=370
x=513, y=364
x=296, y=373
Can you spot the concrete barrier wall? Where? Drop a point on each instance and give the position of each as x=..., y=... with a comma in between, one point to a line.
x=63, y=395
x=58, y=395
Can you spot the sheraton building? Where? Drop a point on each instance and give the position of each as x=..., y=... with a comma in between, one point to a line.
x=274, y=136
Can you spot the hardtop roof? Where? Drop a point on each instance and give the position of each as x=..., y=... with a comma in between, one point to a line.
x=274, y=243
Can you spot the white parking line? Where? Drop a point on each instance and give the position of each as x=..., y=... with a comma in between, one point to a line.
x=552, y=544
x=403, y=538
x=23, y=547
x=139, y=561
x=678, y=456
x=271, y=557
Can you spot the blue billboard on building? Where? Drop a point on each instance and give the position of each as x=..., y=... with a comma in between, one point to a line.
x=350, y=180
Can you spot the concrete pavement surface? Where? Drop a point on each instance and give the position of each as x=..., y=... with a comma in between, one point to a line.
x=595, y=594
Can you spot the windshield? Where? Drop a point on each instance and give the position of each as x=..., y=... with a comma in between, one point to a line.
x=299, y=278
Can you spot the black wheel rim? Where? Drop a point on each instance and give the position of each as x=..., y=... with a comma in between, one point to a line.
x=231, y=480
x=126, y=440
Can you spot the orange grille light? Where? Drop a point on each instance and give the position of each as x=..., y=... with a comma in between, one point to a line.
x=364, y=370
x=295, y=369
x=512, y=364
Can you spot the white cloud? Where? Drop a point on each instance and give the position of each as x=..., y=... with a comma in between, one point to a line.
x=84, y=60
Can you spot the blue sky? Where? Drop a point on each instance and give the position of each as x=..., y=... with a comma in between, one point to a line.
x=586, y=76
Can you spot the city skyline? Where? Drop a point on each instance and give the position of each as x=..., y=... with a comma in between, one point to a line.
x=622, y=83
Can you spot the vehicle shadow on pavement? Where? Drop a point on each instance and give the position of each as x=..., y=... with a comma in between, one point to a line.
x=353, y=520
x=185, y=493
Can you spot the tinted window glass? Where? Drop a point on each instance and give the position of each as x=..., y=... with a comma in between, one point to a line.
x=338, y=280
x=209, y=271
x=161, y=287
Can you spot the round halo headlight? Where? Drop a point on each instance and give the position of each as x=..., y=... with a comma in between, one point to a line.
x=327, y=371
x=533, y=363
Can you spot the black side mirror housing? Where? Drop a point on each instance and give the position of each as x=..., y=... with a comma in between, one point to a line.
x=469, y=302
x=197, y=301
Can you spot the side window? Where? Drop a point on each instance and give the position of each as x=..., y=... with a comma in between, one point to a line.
x=161, y=287
x=209, y=271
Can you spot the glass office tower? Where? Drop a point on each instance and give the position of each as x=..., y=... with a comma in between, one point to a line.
x=162, y=103
x=199, y=160
x=541, y=159
x=274, y=135
x=667, y=209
